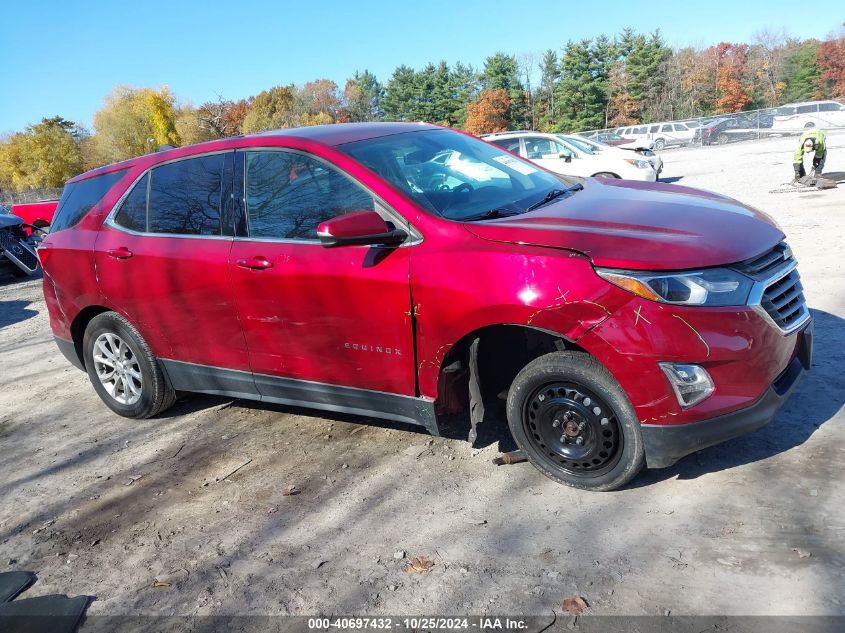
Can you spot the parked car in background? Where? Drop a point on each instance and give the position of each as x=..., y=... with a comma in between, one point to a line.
x=563, y=157
x=609, y=138
x=35, y=214
x=723, y=130
x=623, y=151
x=18, y=243
x=353, y=268
x=809, y=114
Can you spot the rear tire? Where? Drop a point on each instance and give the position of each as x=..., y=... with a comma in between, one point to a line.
x=722, y=139
x=123, y=369
x=574, y=422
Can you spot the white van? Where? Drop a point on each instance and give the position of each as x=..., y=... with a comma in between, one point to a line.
x=665, y=134
x=809, y=114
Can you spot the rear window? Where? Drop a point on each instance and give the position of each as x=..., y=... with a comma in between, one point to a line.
x=78, y=198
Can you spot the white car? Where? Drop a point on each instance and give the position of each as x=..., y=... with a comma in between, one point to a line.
x=625, y=151
x=809, y=114
x=563, y=157
x=665, y=134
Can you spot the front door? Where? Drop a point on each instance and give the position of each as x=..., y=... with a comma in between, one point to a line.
x=336, y=316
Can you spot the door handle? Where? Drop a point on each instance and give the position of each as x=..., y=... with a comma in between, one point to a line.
x=119, y=253
x=258, y=262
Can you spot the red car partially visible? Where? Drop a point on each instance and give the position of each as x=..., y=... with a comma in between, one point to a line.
x=38, y=214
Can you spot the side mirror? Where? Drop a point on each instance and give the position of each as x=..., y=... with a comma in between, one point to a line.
x=359, y=228
x=567, y=156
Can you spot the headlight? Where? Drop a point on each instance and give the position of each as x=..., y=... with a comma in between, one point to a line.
x=640, y=164
x=710, y=287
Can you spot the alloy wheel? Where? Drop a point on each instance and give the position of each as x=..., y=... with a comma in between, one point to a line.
x=117, y=368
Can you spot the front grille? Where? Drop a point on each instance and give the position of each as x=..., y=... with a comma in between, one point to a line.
x=762, y=266
x=778, y=289
x=783, y=300
x=16, y=250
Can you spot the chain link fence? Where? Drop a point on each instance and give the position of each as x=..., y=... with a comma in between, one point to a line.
x=719, y=129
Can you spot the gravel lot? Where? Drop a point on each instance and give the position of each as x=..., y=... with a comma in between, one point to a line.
x=103, y=506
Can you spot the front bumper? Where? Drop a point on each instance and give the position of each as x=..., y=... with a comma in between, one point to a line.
x=666, y=444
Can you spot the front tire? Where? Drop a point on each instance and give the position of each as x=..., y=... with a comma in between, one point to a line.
x=659, y=144
x=123, y=369
x=575, y=423
x=605, y=174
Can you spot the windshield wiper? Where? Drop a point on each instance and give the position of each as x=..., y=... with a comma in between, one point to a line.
x=554, y=194
x=498, y=212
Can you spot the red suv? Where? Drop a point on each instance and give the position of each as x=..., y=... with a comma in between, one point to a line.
x=406, y=271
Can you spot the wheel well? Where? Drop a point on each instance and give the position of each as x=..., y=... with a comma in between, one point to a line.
x=502, y=351
x=599, y=174
x=77, y=328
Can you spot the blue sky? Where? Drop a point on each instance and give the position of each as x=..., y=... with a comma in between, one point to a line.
x=63, y=58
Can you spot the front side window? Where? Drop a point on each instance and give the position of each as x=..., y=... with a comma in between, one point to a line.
x=666, y=128
x=680, y=127
x=654, y=128
x=476, y=178
x=185, y=196
x=289, y=194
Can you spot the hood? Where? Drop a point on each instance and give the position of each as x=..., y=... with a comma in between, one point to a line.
x=641, y=226
x=7, y=220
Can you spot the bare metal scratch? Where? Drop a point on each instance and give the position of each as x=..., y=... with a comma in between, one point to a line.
x=694, y=331
x=640, y=316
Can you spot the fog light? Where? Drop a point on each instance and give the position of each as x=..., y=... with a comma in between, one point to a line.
x=691, y=383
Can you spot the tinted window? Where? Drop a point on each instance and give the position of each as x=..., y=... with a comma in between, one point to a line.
x=185, y=196
x=79, y=198
x=829, y=107
x=804, y=109
x=289, y=194
x=133, y=212
x=654, y=128
x=679, y=127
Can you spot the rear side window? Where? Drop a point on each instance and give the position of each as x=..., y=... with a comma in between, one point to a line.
x=829, y=107
x=79, y=198
x=185, y=197
x=804, y=109
x=510, y=144
x=132, y=214
x=289, y=194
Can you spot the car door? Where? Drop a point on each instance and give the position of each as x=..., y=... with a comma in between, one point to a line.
x=331, y=316
x=162, y=260
x=552, y=155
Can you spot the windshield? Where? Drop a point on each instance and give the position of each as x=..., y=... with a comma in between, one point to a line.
x=582, y=145
x=454, y=175
x=591, y=145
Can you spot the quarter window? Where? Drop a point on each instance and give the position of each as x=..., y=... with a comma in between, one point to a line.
x=132, y=214
x=289, y=194
x=830, y=107
x=185, y=196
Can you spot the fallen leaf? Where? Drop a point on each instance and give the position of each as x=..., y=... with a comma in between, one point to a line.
x=575, y=605
x=802, y=553
x=419, y=565
x=161, y=583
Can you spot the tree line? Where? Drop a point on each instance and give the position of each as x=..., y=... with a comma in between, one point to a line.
x=590, y=84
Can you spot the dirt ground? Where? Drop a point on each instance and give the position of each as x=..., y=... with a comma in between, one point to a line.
x=99, y=505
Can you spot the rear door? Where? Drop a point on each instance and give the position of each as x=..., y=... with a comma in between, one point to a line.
x=334, y=316
x=162, y=258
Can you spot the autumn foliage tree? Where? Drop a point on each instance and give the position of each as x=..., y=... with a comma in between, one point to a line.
x=489, y=113
x=732, y=95
x=831, y=63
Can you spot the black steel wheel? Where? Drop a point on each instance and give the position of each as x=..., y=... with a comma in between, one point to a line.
x=574, y=422
x=573, y=428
